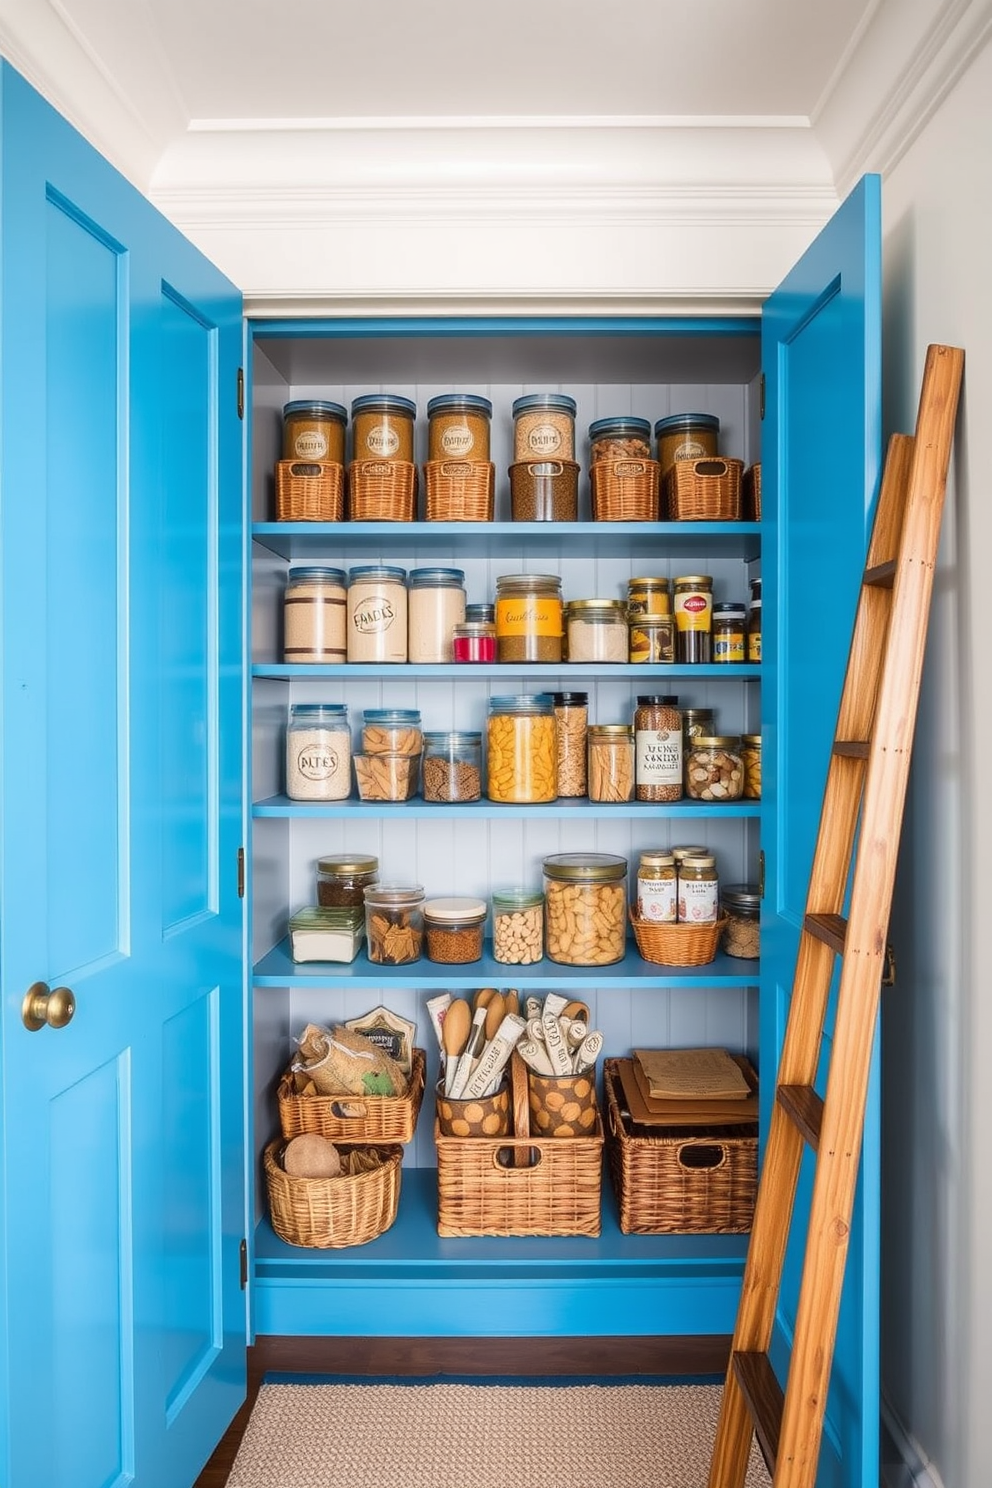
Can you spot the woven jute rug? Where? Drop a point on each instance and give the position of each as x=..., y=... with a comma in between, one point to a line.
x=449, y=1434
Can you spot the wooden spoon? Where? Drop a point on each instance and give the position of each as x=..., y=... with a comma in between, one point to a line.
x=454, y=1035
x=483, y=997
x=495, y=1008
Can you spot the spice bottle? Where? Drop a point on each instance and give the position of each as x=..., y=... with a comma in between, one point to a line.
x=658, y=748
x=611, y=761
x=522, y=764
x=544, y=427
x=751, y=760
x=699, y=890
x=377, y=613
x=313, y=430
x=458, y=427
x=435, y=605
x=318, y=752
x=657, y=887
x=382, y=427
x=528, y=617
x=693, y=618
x=571, y=721
x=729, y=633
x=342, y=879
x=314, y=625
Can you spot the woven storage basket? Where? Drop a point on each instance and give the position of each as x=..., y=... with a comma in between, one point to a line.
x=352, y=1118
x=690, y=1179
x=752, y=493
x=309, y=491
x=459, y=490
x=334, y=1212
x=706, y=490
x=681, y=944
x=382, y=491
x=625, y=490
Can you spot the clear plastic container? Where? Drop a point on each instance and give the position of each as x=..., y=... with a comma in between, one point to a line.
x=387, y=777
x=314, y=622
x=572, y=721
x=585, y=908
x=686, y=436
x=528, y=617
x=474, y=640
x=657, y=887
x=518, y=926
x=610, y=761
x=522, y=762
x=394, y=923
x=715, y=770
x=458, y=427
x=741, y=903
x=751, y=760
x=382, y=427
x=454, y=929
x=318, y=752
x=435, y=605
x=622, y=438
x=314, y=430
x=452, y=767
x=392, y=731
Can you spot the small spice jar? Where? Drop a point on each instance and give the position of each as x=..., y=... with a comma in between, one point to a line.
x=394, y=923
x=382, y=427
x=474, y=641
x=528, y=617
x=318, y=752
x=377, y=613
x=622, y=438
x=571, y=720
x=693, y=618
x=314, y=619
x=454, y=929
x=686, y=436
x=452, y=766
x=648, y=596
x=544, y=427
x=585, y=908
x=650, y=639
x=658, y=748
x=657, y=887
x=754, y=622
x=611, y=761
x=518, y=926
x=741, y=904
x=435, y=605
x=313, y=430
x=597, y=630
x=729, y=633
x=751, y=760
x=342, y=879
x=522, y=765
x=480, y=613
x=715, y=771
x=699, y=890
x=458, y=427
x=392, y=731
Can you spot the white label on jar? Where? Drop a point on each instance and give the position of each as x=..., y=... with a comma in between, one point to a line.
x=382, y=440
x=699, y=900
x=311, y=444
x=318, y=762
x=689, y=449
x=456, y=440
x=657, y=899
x=374, y=615
x=658, y=757
x=544, y=439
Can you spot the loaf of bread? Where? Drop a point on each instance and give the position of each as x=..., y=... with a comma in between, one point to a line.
x=343, y=1062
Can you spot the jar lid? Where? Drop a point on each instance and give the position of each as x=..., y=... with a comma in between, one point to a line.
x=696, y=713
x=622, y=424
x=755, y=585
x=383, y=403
x=522, y=702
x=652, y=859
x=318, y=576
x=317, y=712
x=650, y=622
x=730, y=610
x=694, y=851
x=459, y=402
x=436, y=578
x=348, y=917
x=651, y=582
x=403, y=716
x=452, y=739
x=570, y=699
x=716, y=741
x=455, y=909
x=386, y=894
x=347, y=863
x=605, y=607
x=480, y=612
x=528, y=581
x=558, y=401
x=698, y=860
x=517, y=898
x=697, y=581
x=754, y=740
x=679, y=422
x=614, y=730
x=314, y=408
x=473, y=628
x=376, y=571
x=655, y=700
x=741, y=896
x=580, y=867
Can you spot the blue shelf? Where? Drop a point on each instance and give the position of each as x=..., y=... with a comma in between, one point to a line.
x=580, y=808
x=278, y=969
x=548, y=672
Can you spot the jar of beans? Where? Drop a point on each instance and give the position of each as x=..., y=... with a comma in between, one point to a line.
x=621, y=438
x=314, y=625
x=452, y=767
x=518, y=926
x=522, y=749
x=715, y=770
x=382, y=427
x=571, y=719
x=585, y=908
x=318, y=752
x=544, y=427
x=454, y=929
x=435, y=605
x=528, y=617
x=313, y=430
x=458, y=427
x=343, y=877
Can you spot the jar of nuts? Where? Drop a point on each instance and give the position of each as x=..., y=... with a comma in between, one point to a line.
x=453, y=928
x=715, y=771
x=741, y=905
x=621, y=438
x=585, y=908
x=518, y=926
x=523, y=753
x=751, y=756
x=394, y=923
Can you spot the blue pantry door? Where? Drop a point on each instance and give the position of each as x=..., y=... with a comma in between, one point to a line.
x=821, y=443
x=124, y=1321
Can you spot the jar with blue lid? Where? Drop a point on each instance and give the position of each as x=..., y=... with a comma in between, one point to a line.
x=686, y=436
x=544, y=427
x=313, y=430
x=436, y=604
x=624, y=437
x=314, y=615
x=382, y=427
x=318, y=752
x=377, y=613
x=392, y=731
x=458, y=427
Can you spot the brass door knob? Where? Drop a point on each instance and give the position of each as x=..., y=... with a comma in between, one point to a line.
x=41, y=1006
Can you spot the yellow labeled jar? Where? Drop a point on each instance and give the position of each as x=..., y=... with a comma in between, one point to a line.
x=693, y=618
x=648, y=596
x=528, y=617
x=523, y=750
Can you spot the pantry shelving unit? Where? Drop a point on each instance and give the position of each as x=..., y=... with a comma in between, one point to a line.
x=409, y=1281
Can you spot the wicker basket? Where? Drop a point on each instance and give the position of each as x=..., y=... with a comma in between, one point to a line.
x=680, y=944
x=625, y=490
x=706, y=490
x=382, y=491
x=459, y=490
x=309, y=491
x=335, y=1212
x=700, y=1180
x=348, y=1118
x=752, y=493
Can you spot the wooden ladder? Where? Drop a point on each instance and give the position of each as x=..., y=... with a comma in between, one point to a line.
x=863, y=798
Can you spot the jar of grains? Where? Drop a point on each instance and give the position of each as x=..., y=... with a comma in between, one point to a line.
x=343, y=877
x=622, y=438
x=318, y=752
x=751, y=760
x=458, y=427
x=528, y=617
x=382, y=427
x=657, y=887
x=435, y=605
x=571, y=720
x=715, y=770
x=611, y=761
x=522, y=762
x=474, y=640
x=693, y=618
x=544, y=427
x=729, y=633
x=650, y=639
x=686, y=436
x=314, y=624
x=452, y=767
x=699, y=890
x=648, y=597
x=377, y=613
x=312, y=430
x=658, y=748
x=392, y=731
x=741, y=904
x=585, y=908
x=518, y=926
x=597, y=630
x=454, y=929
x=394, y=923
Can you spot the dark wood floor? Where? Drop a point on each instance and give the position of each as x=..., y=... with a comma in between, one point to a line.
x=426, y=1356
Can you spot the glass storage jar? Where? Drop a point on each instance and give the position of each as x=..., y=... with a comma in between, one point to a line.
x=699, y=889
x=314, y=430
x=715, y=770
x=518, y=926
x=528, y=617
x=597, y=630
x=657, y=887
x=394, y=923
x=482, y=613
x=377, y=613
x=452, y=767
x=343, y=877
x=729, y=633
x=658, y=748
x=624, y=437
x=693, y=618
x=543, y=427
x=571, y=722
x=741, y=904
x=695, y=721
x=751, y=760
x=453, y=929
x=754, y=622
x=686, y=436
x=650, y=639
x=392, y=731
x=314, y=624
x=458, y=427
x=648, y=596
x=474, y=640
x=435, y=605
x=318, y=752
x=382, y=427
x=522, y=764
x=585, y=908
x=610, y=761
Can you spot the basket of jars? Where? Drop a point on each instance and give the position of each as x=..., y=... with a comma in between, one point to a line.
x=340, y=1198
x=704, y=490
x=544, y=491
x=382, y=491
x=624, y=490
x=677, y=942
x=347, y=1117
x=309, y=491
x=459, y=490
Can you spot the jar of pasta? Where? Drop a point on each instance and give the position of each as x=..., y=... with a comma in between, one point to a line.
x=382, y=427
x=522, y=749
x=313, y=430
x=392, y=731
x=528, y=617
x=314, y=625
x=571, y=719
x=611, y=761
x=377, y=613
x=458, y=427
x=597, y=630
x=585, y=908
x=435, y=605
x=544, y=427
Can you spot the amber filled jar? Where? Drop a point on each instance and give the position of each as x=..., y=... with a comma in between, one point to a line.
x=729, y=633
x=751, y=760
x=343, y=877
x=528, y=617
x=693, y=618
x=715, y=770
x=452, y=767
x=657, y=887
x=571, y=724
x=699, y=890
x=382, y=427
x=522, y=749
x=585, y=908
x=544, y=427
x=754, y=622
x=648, y=596
x=658, y=748
x=458, y=427
x=313, y=430
x=650, y=639
x=314, y=622
x=686, y=436
x=611, y=761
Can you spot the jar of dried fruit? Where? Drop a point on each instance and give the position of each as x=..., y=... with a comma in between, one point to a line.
x=751, y=758
x=622, y=438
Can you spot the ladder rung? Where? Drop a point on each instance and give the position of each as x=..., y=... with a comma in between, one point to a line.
x=764, y=1398
x=851, y=748
x=831, y=929
x=805, y=1107
x=880, y=575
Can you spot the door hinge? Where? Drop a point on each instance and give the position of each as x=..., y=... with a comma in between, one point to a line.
x=241, y=393
x=761, y=873
x=243, y=1254
x=761, y=396
x=889, y=966
x=241, y=873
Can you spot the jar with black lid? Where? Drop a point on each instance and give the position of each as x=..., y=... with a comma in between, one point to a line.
x=729, y=633
x=342, y=879
x=693, y=618
x=658, y=748
x=571, y=722
x=754, y=622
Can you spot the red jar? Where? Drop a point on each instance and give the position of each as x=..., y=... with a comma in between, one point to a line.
x=474, y=640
